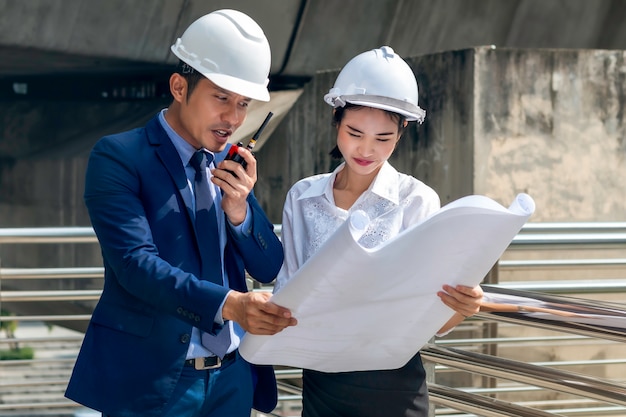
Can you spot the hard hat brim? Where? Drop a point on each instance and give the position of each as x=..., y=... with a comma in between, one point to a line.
x=404, y=108
x=239, y=86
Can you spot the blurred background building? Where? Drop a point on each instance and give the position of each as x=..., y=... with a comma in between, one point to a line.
x=74, y=70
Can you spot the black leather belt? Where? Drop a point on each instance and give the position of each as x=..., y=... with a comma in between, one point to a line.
x=210, y=362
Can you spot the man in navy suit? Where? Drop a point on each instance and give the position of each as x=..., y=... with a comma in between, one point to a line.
x=153, y=343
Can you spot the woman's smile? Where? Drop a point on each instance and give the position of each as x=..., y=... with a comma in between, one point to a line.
x=362, y=162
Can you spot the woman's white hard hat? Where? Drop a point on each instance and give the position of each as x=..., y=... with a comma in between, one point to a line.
x=379, y=78
x=231, y=50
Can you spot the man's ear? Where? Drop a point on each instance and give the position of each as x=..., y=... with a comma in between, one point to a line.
x=178, y=87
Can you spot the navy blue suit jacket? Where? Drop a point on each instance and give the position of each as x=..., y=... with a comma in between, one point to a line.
x=140, y=207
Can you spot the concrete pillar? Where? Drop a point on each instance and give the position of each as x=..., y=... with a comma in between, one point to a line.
x=499, y=122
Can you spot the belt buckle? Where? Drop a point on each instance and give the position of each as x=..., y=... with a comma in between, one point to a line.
x=201, y=363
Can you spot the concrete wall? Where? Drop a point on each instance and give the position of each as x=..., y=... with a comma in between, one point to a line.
x=44, y=36
x=551, y=123
x=499, y=122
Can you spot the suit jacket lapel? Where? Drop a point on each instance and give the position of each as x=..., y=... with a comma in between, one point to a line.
x=168, y=155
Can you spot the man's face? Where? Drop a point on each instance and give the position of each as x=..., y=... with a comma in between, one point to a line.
x=210, y=115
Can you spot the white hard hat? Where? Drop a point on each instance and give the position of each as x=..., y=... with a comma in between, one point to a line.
x=231, y=50
x=378, y=78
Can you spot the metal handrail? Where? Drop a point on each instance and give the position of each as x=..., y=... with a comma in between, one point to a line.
x=62, y=403
x=60, y=295
x=557, y=312
x=44, y=318
x=600, y=231
x=52, y=273
x=481, y=405
x=568, y=287
x=542, y=376
x=574, y=226
x=543, y=263
x=48, y=235
x=447, y=358
x=577, y=239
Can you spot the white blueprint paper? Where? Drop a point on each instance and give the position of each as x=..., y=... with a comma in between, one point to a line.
x=364, y=309
x=558, y=310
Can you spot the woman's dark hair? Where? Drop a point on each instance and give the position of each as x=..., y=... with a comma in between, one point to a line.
x=338, y=116
x=192, y=76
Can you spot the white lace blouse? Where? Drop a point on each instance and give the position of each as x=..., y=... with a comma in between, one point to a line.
x=393, y=202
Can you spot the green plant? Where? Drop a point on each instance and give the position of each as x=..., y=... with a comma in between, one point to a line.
x=9, y=327
x=17, y=353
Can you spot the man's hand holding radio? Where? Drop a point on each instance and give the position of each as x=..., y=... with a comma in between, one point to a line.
x=236, y=183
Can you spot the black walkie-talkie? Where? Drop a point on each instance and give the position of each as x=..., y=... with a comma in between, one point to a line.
x=233, y=154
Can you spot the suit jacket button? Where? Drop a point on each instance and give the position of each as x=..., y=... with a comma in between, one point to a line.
x=185, y=338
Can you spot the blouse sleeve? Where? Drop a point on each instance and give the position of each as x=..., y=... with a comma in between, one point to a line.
x=289, y=266
x=424, y=201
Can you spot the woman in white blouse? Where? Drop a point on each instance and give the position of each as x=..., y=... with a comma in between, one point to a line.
x=374, y=98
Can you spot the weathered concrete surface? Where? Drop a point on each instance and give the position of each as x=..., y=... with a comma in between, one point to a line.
x=439, y=152
x=59, y=51
x=94, y=34
x=499, y=122
x=306, y=36
x=551, y=123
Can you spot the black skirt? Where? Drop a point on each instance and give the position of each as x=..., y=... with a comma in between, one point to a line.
x=385, y=393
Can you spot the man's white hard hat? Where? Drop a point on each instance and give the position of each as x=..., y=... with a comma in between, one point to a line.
x=231, y=50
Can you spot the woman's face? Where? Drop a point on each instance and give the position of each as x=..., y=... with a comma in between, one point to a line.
x=366, y=138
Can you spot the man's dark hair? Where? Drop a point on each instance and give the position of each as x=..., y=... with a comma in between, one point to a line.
x=192, y=76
